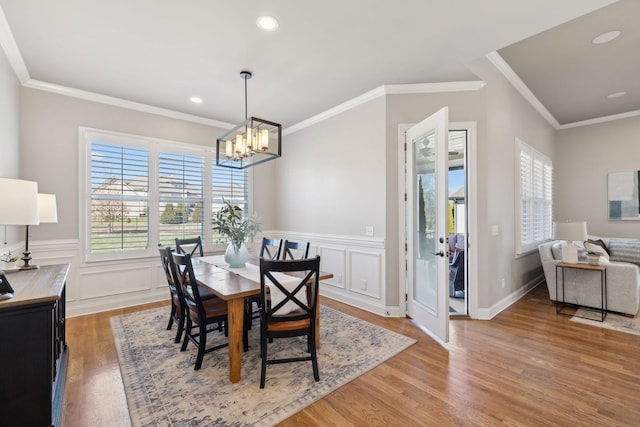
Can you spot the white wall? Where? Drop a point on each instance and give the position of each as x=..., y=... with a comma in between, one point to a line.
x=9, y=140
x=585, y=155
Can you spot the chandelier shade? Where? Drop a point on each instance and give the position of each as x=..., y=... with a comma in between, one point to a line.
x=252, y=142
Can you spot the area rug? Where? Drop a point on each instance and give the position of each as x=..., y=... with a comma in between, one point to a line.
x=614, y=321
x=162, y=388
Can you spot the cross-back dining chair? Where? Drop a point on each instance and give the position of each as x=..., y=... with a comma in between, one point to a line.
x=177, y=314
x=199, y=313
x=269, y=249
x=192, y=246
x=292, y=311
x=295, y=250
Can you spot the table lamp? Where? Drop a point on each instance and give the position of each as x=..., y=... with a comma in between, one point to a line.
x=570, y=232
x=18, y=203
x=47, y=213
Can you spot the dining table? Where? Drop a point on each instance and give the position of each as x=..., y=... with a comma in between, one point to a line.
x=233, y=286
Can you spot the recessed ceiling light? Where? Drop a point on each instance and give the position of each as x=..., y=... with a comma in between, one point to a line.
x=196, y=100
x=616, y=94
x=267, y=23
x=606, y=37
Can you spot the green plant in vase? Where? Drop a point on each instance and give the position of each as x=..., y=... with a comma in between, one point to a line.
x=230, y=222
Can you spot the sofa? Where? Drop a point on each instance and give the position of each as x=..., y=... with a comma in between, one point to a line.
x=582, y=287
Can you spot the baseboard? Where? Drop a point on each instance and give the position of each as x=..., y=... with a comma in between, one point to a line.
x=504, y=303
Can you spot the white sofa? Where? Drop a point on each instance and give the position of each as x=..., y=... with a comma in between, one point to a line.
x=583, y=287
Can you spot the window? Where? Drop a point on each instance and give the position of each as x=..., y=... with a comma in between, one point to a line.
x=534, y=199
x=119, y=197
x=180, y=196
x=140, y=192
x=228, y=184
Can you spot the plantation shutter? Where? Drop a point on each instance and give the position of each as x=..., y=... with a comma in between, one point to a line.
x=119, y=197
x=231, y=185
x=180, y=196
x=535, y=199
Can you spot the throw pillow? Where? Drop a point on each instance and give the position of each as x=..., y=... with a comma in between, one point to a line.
x=596, y=249
x=600, y=243
x=625, y=250
x=556, y=250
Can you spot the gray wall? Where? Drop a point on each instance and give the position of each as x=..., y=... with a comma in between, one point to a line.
x=331, y=178
x=49, y=148
x=585, y=155
x=508, y=115
x=9, y=139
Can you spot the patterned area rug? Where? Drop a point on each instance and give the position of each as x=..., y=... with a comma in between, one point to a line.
x=630, y=325
x=163, y=389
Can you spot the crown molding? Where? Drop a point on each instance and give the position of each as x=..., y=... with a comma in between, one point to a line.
x=383, y=91
x=10, y=48
x=598, y=120
x=123, y=103
x=502, y=66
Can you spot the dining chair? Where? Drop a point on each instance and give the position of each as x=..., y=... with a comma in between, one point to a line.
x=199, y=313
x=177, y=314
x=269, y=249
x=295, y=250
x=192, y=246
x=292, y=312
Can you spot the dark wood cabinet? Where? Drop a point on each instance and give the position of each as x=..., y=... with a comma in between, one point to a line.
x=33, y=349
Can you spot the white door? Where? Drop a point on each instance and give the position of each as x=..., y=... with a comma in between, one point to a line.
x=427, y=224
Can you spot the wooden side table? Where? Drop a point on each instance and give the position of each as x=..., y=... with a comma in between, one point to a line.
x=560, y=305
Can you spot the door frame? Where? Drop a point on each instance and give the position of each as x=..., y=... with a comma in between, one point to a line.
x=472, y=212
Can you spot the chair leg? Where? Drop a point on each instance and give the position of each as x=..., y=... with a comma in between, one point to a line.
x=202, y=345
x=180, y=330
x=173, y=311
x=263, y=357
x=187, y=333
x=245, y=338
x=314, y=357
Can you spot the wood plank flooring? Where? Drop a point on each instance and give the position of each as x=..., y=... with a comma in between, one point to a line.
x=526, y=367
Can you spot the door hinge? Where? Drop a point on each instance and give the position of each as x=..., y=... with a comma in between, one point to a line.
x=406, y=248
x=405, y=197
x=406, y=297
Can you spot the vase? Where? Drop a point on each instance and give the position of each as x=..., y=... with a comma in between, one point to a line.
x=9, y=266
x=236, y=259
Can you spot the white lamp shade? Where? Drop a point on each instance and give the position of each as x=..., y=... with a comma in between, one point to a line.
x=19, y=202
x=48, y=212
x=570, y=231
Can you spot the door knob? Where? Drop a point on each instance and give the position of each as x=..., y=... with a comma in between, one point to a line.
x=438, y=253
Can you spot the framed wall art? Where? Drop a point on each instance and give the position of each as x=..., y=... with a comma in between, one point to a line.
x=623, y=196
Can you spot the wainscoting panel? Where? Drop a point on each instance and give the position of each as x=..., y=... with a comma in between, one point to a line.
x=116, y=279
x=365, y=275
x=333, y=260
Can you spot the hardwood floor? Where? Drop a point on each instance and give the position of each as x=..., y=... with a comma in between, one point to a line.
x=526, y=367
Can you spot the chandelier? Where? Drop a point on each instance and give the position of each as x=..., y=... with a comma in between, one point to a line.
x=252, y=142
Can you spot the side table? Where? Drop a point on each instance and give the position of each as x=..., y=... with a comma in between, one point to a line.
x=560, y=305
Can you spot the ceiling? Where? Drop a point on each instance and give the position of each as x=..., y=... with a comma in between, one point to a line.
x=159, y=53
